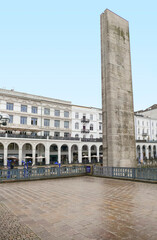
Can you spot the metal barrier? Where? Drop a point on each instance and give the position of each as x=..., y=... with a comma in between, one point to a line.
x=149, y=174
x=40, y=173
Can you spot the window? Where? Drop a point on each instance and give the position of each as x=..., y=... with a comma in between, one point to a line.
x=46, y=122
x=23, y=120
x=57, y=123
x=100, y=116
x=76, y=125
x=91, y=136
x=91, y=116
x=76, y=135
x=100, y=126
x=66, y=114
x=84, y=136
x=143, y=123
x=56, y=134
x=66, y=124
x=46, y=133
x=34, y=109
x=91, y=127
x=66, y=134
x=46, y=111
x=76, y=115
x=33, y=121
x=57, y=113
x=138, y=131
x=23, y=108
x=11, y=119
x=10, y=106
x=138, y=122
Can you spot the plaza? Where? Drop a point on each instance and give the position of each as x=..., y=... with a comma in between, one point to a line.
x=79, y=208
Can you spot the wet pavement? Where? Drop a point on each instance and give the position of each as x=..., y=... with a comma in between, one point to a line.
x=81, y=208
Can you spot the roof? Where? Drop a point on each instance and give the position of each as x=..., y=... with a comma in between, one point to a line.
x=153, y=107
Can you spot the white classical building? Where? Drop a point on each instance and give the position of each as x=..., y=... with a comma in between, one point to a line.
x=49, y=130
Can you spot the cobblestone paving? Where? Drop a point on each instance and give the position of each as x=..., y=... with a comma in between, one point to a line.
x=84, y=208
x=11, y=228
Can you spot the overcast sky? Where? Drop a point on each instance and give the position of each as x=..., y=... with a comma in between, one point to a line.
x=52, y=48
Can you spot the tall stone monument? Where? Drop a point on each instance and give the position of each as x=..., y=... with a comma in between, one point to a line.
x=117, y=93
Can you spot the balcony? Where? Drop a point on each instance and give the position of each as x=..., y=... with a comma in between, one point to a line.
x=144, y=134
x=84, y=130
x=91, y=139
x=37, y=137
x=85, y=120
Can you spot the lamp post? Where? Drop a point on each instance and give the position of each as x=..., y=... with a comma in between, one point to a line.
x=4, y=119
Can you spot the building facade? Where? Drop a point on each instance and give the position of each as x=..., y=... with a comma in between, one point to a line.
x=45, y=131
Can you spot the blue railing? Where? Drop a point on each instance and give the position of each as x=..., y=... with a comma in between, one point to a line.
x=129, y=173
x=40, y=173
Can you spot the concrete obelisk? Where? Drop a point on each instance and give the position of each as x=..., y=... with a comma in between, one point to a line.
x=117, y=93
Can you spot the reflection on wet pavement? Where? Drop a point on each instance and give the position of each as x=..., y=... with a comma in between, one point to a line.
x=84, y=208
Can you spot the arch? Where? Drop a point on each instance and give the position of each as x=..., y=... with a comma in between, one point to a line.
x=93, y=154
x=138, y=152
x=13, y=153
x=53, y=153
x=27, y=153
x=1, y=154
x=154, y=152
x=74, y=154
x=144, y=152
x=101, y=153
x=64, y=154
x=85, y=157
x=40, y=154
x=150, y=151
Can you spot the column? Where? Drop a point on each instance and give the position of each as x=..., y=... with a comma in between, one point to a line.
x=141, y=153
x=80, y=154
x=59, y=154
x=47, y=155
x=152, y=155
x=69, y=154
x=5, y=155
x=98, y=154
x=20, y=156
x=89, y=154
x=33, y=154
x=147, y=152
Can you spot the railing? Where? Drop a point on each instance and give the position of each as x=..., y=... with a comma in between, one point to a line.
x=36, y=137
x=40, y=173
x=144, y=134
x=85, y=120
x=129, y=173
x=84, y=130
x=91, y=139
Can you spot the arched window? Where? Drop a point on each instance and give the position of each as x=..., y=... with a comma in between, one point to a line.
x=76, y=135
x=76, y=125
x=91, y=136
x=91, y=126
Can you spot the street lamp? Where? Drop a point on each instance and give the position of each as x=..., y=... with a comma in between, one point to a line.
x=4, y=119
